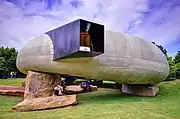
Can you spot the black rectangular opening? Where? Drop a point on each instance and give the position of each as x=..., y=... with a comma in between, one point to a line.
x=92, y=35
x=76, y=39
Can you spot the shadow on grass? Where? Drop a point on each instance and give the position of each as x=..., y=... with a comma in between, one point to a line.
x=166, y=92
x=108, y=96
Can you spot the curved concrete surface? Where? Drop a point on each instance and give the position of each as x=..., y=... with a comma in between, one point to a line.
x=127, y=59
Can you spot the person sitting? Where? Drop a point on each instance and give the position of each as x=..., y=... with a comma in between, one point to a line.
x=83, y=86
x=58, y=90
x=63, y=84
x=86, y=86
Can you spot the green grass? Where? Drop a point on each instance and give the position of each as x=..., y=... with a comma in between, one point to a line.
x=109, y=82
x=107, y=104
x=13, y=82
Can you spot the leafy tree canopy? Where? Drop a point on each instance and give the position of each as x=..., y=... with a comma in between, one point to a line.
x=8, y=59
x=177, y=58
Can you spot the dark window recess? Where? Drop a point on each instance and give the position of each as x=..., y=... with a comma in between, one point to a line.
x=79, y=38
x=92, y=35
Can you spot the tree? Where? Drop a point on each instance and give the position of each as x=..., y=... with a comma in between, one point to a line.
x=2, y=62
x=8, y=59
x=161, y=48
x=8, y=62
x=177, y=64
x=177, y=58
x=171, y=64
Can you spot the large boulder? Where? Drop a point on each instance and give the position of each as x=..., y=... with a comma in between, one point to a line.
x=38, y=94
x=45, y=103
x=40, y=84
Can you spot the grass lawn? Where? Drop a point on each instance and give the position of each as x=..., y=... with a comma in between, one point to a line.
x=12, y=82
x=106, y=104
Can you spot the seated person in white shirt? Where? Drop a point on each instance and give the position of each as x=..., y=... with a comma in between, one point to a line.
x=58, y=90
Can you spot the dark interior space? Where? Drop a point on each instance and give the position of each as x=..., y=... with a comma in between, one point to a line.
x=96, y=32
x=78, y=39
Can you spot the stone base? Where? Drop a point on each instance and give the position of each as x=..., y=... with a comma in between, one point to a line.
x=38, y=93
x=78, y=89
x=140, y=90
x=40, y=84
x=74, y=88
x=45, y=103
x=11, y=90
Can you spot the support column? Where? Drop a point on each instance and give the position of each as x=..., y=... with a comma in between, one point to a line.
x=40, y=84
x=140, y=90
x=38, y=94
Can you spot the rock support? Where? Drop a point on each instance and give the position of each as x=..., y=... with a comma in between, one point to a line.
x=38, y=94
x=140, y=90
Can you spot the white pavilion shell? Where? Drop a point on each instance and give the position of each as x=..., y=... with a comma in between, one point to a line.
x=126, y=59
